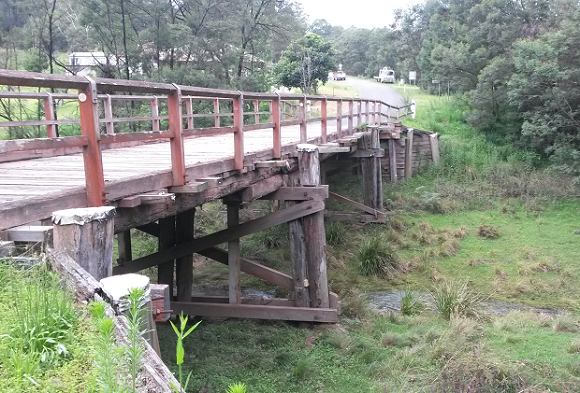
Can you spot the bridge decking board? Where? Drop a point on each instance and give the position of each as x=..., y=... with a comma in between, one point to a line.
x=39, y=186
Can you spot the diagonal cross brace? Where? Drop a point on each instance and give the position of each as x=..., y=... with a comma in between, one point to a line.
x=259, y=224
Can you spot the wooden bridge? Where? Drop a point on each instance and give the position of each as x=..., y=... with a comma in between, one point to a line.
x=156, y=151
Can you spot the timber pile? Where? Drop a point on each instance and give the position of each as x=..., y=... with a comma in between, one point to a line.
x=155, y=376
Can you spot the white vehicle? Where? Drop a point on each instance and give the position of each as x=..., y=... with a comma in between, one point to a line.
x=386, y=75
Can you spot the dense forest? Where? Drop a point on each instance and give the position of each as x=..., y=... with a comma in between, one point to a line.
x=515, y=63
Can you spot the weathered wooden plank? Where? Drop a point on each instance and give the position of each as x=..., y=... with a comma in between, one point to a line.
x=298, y=194
x=184, y=232
x=357, y=205
x=314, y=231
x=166, y=241
x=20, y=212
x=409, y=153
x=371, y=171
x=322, y=315
x=42, y=143
x=271, y=164
x=124, y=247
x=189, y=188
x=29, y=233
x=434, y=139
x=258, y=301
x=259, y=224
x=234, y=257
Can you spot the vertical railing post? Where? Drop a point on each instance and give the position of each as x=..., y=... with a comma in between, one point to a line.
x=350, y=116
x=239, y=132
x=256, y=112
x=175, y=112
x=109, y=125
x=374, y=112
x=155, y=113
x=380, y=111
x=324, y=121
x=92, y=158
x=303, y=130
x=49, y=115
x=189, y=110
x=359, y=112
x=216, y=111
x=366, y=111
x=339, y=118
x=277, y=131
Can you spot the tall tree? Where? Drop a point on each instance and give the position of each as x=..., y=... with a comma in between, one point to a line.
x=305, y=63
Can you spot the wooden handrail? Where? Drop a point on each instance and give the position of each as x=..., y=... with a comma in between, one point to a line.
x=101, y=91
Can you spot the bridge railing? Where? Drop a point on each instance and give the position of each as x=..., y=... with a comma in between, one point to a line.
x=174, y=112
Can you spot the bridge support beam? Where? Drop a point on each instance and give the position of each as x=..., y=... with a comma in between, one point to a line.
x=184, y=232
x=308, y=239
x=166, y=241
x=371, y=170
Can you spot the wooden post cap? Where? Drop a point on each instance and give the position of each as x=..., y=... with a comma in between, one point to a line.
x=84, y=215
x=118, y=287
x=306, y=147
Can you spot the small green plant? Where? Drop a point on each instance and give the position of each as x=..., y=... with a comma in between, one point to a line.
x=105, y=349
x=456, y=299
x=362, y=126
x=409, y=304
x=180, y=351
x=376, y=258
x=134, y=350
x=237, y=388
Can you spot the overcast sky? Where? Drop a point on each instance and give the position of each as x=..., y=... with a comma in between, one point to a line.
x=359, y=13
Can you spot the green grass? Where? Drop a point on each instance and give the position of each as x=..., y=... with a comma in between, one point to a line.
x=45, y=340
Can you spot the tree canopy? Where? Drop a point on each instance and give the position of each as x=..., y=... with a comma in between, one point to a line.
x=305, y=63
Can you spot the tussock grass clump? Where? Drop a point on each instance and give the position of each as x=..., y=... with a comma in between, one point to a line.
x=574, y=346
x=566, y=323
x=410, y=305
x=355, y=305
x=456, y=299
x=303, y=368
x=376, y=257
x=336, y=233
x=488, y=232
x=476, y=372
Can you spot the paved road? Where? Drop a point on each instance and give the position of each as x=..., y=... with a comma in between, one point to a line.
x=376, y=91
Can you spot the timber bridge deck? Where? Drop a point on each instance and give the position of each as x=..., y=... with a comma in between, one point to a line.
x=156, y=151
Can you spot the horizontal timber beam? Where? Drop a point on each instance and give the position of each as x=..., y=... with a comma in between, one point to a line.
x=357, y=205
x=299, y=194
x=304, y=314
x=235, y=232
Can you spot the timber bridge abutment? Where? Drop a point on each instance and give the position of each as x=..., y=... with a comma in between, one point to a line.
x=154, y=152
